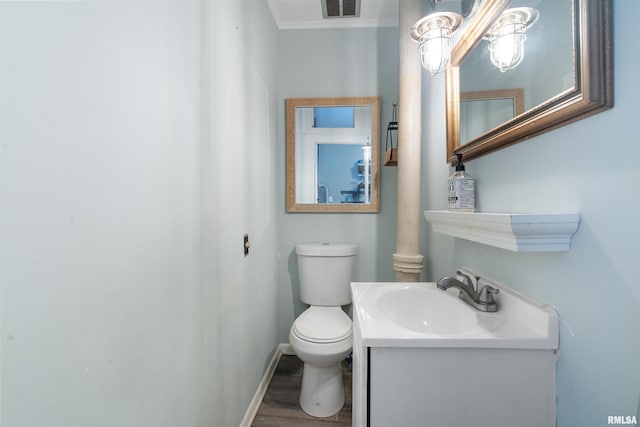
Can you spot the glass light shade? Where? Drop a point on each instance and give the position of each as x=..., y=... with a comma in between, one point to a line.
x=433, y=33
x=507, y=35
x=435, y=50
x=507, y=48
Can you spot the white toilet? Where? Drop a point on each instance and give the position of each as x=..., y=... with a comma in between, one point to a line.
x=321, y=335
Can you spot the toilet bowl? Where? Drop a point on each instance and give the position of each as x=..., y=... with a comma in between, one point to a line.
x=321, y=337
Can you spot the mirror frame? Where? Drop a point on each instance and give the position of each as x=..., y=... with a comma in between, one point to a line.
x=292, y=104
x=592, y=93
x=515, y=95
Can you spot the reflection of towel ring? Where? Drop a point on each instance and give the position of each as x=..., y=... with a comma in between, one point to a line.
x=391, y=157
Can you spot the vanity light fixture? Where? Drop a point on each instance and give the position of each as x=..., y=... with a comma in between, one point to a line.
x=433, y=33
x=507, y=35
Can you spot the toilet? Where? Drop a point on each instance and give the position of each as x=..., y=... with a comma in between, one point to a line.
x=321, y=335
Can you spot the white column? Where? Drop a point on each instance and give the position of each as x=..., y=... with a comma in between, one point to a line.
x=407, y=261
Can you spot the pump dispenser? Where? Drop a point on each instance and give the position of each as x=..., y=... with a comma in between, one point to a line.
x=462, y=189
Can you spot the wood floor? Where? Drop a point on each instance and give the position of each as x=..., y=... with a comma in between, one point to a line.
x=280, y=406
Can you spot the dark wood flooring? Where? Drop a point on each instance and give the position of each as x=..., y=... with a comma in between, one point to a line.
x=280, y=406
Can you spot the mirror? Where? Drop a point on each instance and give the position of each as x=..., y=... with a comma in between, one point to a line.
x=483, y=110
x=333, y=154
x=565, y=75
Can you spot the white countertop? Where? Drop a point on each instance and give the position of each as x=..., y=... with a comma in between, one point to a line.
x=519, y=323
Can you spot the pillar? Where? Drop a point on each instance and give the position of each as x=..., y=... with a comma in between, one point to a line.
x=407, y=261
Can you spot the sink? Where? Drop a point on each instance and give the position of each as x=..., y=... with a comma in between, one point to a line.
x=417, y=347
x=424, y=309
x=421, y=315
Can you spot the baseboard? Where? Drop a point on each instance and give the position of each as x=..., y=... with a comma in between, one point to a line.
x=286, y=349
x=252, y=410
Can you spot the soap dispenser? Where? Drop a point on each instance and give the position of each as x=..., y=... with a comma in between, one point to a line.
x=462, y=189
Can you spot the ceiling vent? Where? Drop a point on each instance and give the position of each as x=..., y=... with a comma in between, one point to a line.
x=340, y=8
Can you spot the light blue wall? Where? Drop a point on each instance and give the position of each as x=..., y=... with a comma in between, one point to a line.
x=590, y=167
x=129, y=177
x=240, y=196
x=138, y=145
x=328, y=63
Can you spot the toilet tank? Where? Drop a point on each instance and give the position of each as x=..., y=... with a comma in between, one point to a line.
x=325, y=271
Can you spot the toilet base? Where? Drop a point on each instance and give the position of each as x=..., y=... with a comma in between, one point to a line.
x=322, y=393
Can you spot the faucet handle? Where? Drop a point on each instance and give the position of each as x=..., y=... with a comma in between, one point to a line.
x=486, y=294
x=466, y=279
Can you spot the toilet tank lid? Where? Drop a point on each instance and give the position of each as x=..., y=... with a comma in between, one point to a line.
x=326, y=249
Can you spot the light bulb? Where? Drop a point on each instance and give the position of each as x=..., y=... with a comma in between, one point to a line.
x=435, y=50
x=433, y=33
x=507, y=49
x=507, y=35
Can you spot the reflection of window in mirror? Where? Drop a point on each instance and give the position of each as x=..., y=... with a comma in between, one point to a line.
x=331, y=156
x=341, y=174
x=333, y=117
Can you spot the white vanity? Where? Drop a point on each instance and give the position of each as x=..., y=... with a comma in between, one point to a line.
x=423, y=357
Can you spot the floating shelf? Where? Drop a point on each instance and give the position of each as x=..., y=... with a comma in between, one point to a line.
x=515, y=232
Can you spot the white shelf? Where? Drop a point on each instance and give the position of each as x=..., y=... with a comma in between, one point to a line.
x=516, y=232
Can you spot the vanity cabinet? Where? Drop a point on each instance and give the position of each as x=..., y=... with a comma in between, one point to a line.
x=501, y=372
x=412, y=387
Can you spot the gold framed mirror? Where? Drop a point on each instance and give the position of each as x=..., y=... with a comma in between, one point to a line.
x=333, y=154
x=566, y=74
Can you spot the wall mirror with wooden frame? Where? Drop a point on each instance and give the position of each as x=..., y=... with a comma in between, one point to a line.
x=566, y=74
x=333, y=154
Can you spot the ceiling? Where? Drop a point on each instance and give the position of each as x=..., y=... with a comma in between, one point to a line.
x=305, y=14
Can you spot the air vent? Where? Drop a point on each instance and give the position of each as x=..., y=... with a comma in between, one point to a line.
x=340, y=8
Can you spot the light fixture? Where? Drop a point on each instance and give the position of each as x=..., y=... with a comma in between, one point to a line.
x=433, y=33
x=507, y=35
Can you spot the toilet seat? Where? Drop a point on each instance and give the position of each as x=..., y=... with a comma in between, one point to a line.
x=322, y=325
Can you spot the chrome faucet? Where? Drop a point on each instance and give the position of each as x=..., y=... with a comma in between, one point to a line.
x=482, y=300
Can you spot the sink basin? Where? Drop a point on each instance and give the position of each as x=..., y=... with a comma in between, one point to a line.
x=421, y=315
x=426, y=310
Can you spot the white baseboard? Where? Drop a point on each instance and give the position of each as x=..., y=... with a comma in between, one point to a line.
x=252, y=410
x=287, y=349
